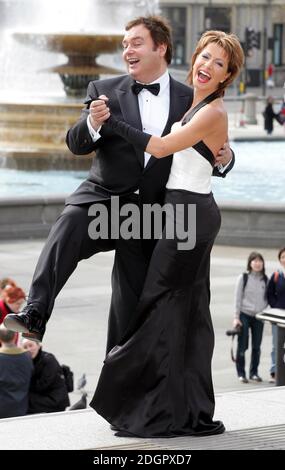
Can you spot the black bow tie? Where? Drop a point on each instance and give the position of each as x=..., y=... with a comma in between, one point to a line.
x=153, y=88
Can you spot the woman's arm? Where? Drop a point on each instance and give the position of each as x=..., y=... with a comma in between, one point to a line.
x=203, y=124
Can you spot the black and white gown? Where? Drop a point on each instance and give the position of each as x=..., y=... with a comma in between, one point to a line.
x=157, y=382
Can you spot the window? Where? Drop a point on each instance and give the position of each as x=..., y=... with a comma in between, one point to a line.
x=177, y=19
x=277, y=44
x=218, y=18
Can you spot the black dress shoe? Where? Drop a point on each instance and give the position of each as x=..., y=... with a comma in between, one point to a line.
x=28, y=322
x=113, y=428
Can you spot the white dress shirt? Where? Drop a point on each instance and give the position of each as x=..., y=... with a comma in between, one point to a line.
x=154, y=110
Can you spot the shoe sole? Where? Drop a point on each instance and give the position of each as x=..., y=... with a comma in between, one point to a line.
x=36, y=337
x=14, y=325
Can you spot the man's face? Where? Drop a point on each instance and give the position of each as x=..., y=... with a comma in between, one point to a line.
x=145, y=61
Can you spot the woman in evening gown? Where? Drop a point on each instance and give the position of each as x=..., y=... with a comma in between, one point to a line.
x=157, y=382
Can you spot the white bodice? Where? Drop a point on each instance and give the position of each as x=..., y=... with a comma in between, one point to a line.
x=190, y=170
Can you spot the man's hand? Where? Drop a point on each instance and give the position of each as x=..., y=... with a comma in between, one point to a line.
x=224, y=155
x=99, y=112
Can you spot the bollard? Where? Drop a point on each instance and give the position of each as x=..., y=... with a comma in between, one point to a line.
x=277, y=317
x=250, y=108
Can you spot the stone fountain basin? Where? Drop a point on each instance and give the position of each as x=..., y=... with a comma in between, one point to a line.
x=82, y=44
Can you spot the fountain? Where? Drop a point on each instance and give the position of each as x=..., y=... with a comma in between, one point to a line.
x=36, y=113
x=81, y=50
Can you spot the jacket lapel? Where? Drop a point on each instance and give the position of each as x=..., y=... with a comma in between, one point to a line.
x=130, y=110
x=179, y=102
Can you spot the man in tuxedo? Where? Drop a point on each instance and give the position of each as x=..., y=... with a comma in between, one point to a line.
x=118, y=169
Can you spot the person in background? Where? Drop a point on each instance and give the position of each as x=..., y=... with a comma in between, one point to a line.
x=4, y=282
x=269, y=115
x=276, y=299
x=281, y=114
x=11, y=301
x=16, y=369
x=250, y=299
x=48, y=391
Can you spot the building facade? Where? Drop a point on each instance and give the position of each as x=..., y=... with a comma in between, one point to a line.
x=265, y=19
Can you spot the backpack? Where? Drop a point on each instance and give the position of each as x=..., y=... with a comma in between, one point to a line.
x=68, y=377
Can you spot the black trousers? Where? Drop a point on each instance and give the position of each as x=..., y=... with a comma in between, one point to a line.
x=67, y=244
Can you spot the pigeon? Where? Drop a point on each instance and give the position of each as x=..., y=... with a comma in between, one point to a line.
x=81, y=382
x=80, y=404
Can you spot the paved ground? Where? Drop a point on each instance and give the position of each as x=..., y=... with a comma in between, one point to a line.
x=77, y=330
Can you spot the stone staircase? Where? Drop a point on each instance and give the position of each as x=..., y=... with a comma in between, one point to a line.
x=254, y=419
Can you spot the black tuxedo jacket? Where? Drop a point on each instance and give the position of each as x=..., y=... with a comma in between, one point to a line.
x=118, y=167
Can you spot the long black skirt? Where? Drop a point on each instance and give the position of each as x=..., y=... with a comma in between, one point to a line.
x=157, y=382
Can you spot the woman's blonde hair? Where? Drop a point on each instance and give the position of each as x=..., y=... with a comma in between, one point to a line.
x=232, y=47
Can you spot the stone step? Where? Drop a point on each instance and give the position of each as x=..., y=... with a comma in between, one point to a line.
x=254, y=419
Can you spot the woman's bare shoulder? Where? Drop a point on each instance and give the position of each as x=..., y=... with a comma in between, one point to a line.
x=217, y=108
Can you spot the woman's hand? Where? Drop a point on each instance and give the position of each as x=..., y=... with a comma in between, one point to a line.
x=237, y=322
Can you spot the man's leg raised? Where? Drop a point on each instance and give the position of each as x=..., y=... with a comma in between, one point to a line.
x=67, y=244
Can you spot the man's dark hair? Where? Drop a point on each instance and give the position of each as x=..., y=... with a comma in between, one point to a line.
x=159, y=29
x=6, y=336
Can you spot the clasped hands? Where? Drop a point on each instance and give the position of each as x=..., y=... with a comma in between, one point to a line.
x=99, y=113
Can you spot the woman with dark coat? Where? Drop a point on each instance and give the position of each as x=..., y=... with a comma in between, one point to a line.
x=269, y=115
x=48, y=391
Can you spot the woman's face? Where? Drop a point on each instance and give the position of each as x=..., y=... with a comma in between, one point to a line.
x=16, y=306
x=32, y=347
x=256, y=265
x=210, y=68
